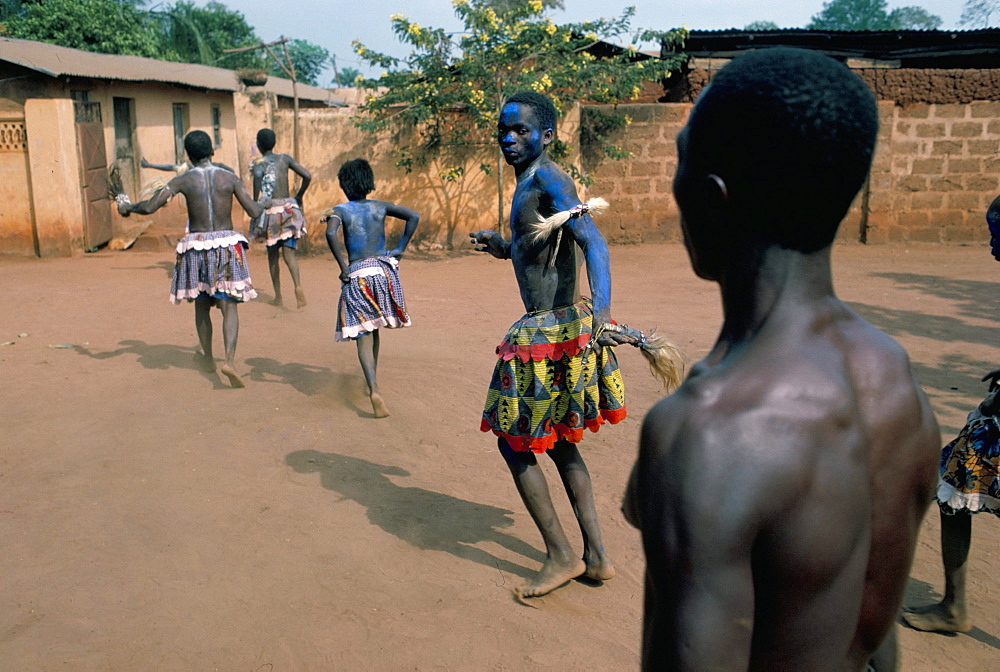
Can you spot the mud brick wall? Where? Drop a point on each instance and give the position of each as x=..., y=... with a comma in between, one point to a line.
x=936, y=167
x=939, y=175
x=638, y=188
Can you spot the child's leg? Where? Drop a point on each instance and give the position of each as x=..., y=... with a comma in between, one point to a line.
x=949, y=615
x=576, y=480
x=291, y=261
x=561, y=564
x=368, y=356
x=230, y=331
x=203, y=325
x=275, y=270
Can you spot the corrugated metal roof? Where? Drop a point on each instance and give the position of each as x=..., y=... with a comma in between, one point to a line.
x=971, y=47
x=56, y=61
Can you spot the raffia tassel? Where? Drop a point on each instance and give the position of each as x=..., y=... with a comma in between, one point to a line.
x=666, y=362
x=544, y=227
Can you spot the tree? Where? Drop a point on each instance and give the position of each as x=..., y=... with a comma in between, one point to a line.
x=761, y=25
x=871, y=15
x=193, y=34
x=913, y=18
x=449, y=90
x=307, y=58
x=977, y=13
x=506, y=6
x=346, y=77
x=103, y=26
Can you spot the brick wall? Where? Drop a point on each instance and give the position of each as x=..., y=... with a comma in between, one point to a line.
x=639, y=188
x=936, y=169
x=940, y=176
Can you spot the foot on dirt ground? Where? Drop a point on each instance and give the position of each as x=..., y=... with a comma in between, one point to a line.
x=599, y=567
x=230, y=373
x=937, y=618
x=552, y=575
x=378, y=406
x=277, y=302
x=204, y=362
x=300, y=298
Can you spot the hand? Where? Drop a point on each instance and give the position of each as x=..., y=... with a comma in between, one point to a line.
x=298, y=200
x=344, y=277
x=123, y=210
x=143, y=162
x=492, y=242
x=614, y=338
x=396, y=254
x=993, y=377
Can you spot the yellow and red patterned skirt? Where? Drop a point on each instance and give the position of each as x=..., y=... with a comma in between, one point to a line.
x=548, y=385
x=969, y=480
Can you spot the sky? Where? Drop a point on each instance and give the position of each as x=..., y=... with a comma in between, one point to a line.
x=333, y=25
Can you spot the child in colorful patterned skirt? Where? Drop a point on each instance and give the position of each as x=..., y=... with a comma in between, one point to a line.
x=371, y=296
x=553, y=378
x=969, y=483
x=211, y=267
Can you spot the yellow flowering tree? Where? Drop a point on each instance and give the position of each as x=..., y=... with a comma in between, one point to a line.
x=448, y=91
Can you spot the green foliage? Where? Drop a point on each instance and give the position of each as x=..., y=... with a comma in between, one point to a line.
x=506, y=6
x=761, y=25
x=193, y=34
x=980, y=13
x=346, y=76
x=450, y=88
x=871, y=15
x=913, y=18
x=103, y=26
x=307, y=58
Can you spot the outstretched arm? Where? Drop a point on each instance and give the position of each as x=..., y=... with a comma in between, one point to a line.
x=412, y=219
x=151, y=204
x=169, y=167
x=333, y=224
x=492, y=243
x=304, y=174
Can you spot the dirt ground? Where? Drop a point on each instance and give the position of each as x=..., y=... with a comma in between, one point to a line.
x=152, y=518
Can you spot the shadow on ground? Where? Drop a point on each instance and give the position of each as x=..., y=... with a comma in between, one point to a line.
x=423, y=518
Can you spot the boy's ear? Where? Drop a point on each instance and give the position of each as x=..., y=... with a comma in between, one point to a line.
x=548, y=135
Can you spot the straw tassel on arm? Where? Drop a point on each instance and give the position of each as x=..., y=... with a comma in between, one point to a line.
x=544, y=227
x=666, y=362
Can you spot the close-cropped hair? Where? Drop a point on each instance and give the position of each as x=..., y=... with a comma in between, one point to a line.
x=266, y=139
x=356, y=178
x=545, y=111
x=792, y=133
x=198, y=145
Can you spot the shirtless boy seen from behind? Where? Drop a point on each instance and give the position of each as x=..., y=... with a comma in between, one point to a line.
x=371, y=296
x=551, y=381
x=282, y=223
x=211, y=267
x=780, y=490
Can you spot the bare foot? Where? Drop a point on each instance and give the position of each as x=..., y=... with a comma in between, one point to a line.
x=599, y=567
x=937, y=618
x=551, y=576
x=378, y=406
x=204, y=362
x=234, y=378
x=276, y=301
x=300, y=298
